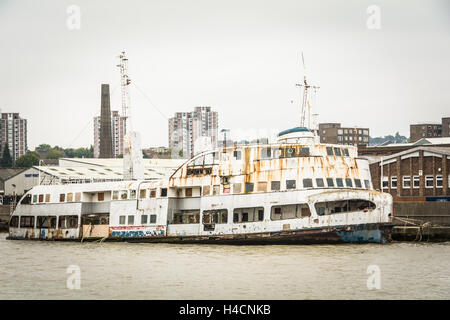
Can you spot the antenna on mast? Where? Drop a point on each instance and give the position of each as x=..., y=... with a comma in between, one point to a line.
x=306, y=106
x=124, y=83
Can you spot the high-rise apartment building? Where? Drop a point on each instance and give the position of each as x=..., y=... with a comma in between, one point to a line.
x=335, y=134
x=13, y=132
x=185, y=128
x=118, y=131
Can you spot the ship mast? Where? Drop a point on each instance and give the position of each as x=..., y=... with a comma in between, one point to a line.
x=306, y=106
x=124, y=83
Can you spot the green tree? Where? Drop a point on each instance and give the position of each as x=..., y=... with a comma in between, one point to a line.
x=28, y=160
x=43, y=148
x=54, y=154
x=6, y=161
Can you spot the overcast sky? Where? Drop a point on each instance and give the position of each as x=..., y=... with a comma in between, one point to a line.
x=240, y=57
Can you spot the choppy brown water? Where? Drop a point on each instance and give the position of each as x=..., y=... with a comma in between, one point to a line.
x=37, y=270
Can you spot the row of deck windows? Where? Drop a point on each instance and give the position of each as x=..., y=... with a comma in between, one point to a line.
x=124, y=220
x=256, y=214
x=122, y=195
x=44, y=222
x=262, y=186
x=143, y=193
x=63, y=197
x=430, y=182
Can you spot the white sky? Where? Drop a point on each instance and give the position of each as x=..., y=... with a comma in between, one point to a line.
x=240, y=57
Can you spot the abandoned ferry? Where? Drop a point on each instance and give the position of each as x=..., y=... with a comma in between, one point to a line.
x=296, y=190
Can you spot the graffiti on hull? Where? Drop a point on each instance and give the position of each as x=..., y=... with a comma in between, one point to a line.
x=137, y=232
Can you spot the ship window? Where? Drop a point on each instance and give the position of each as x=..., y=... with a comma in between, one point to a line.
x=78, y=197
x=290, y=152
x=14, y=222
x=68, y=222
x=249, y=187
x=163, y=192
x=62, y=197
x=262, y=186
x=358, y=183
x=367, y=184
x=115, y=195
x=132, y=194
x=184, y=217
x=27, y=222
x=188, y=192
x=122, y=219
x=339, y=182
x=44, y=222
x=330, y=182
x=290, y=184
x=345, y=152
x=153, y=218
x=70, y=197
x=275, y=185
x=307, y=183
x=216, y=216
x=290, y=211
x=237, y=155
x=248, y=214
x=47, y=197
x=206, y=190
x=342, y=206
x=35, y=199
x=319, y=182
x=41, y=198
x=266, y=153
x=216, y=190
x=123, y=194
x=142, y=193
x=237, y=187
x=337, y=152
x=130, y=220
x=144, y=219
x=304, y=152
x=260, y=214
x=330, y=151
x=100, y=196
x=348, y=182
x=152, y=193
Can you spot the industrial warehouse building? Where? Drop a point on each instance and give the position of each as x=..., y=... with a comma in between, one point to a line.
x=74, y=170
x=418, y=172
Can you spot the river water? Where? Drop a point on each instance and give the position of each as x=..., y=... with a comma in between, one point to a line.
x=39, y=270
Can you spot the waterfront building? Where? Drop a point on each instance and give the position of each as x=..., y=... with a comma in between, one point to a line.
x=13, y=133
x=185, y=128
x=334, y=133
